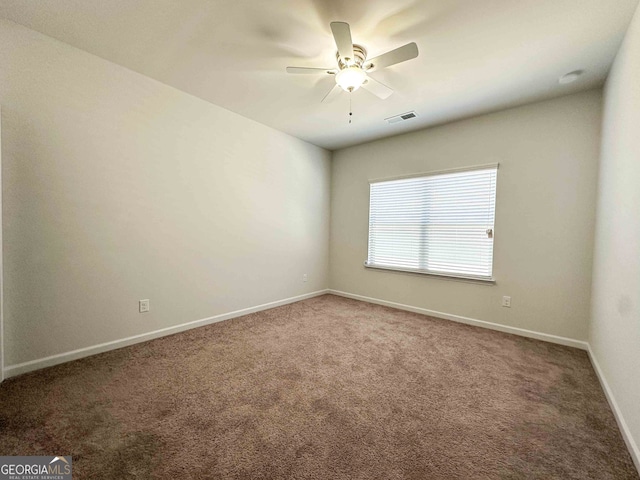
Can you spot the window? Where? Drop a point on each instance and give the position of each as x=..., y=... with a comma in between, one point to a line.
x=438, y=224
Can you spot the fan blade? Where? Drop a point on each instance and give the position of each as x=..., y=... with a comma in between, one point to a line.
x=400, y=54
x=332, y=94
x=342, y=35
x=378, y=89
x=312, y=71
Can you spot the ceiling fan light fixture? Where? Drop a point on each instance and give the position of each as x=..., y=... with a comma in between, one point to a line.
x=353, y=69
x=351, y=78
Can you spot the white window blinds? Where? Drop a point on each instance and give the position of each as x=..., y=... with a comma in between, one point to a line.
x=440, y=223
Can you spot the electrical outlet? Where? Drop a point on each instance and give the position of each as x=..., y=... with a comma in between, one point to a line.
x=143, y=306
x=305, y=277
x=506, y=302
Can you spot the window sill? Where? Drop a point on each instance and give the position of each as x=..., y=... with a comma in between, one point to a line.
x=444, y=276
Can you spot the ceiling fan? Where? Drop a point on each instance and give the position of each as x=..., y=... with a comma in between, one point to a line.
x=354, y=67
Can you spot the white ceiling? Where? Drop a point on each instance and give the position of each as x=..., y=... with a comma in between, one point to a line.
x=475, y=56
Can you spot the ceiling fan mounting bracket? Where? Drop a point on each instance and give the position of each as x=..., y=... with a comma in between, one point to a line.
x=359, y=54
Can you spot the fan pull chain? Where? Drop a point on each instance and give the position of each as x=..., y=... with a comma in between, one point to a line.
x=350, y=110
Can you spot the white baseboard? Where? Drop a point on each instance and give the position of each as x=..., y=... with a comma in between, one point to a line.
x=20, y=368
x=622, y=424
x=569, y=342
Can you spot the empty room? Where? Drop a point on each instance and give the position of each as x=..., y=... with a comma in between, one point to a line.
x=320, y=239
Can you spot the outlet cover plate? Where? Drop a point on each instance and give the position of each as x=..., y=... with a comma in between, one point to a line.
x=143, y=306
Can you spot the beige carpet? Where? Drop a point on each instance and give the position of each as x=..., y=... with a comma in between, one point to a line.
x=327, y=388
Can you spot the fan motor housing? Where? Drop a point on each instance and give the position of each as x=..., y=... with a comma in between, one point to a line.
x=359, y=56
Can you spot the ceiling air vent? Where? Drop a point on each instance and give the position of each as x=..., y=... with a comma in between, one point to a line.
x=402, y=117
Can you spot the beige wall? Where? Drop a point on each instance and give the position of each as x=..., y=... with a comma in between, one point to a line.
x=119, y=188
x=548, y=155
x=615, y=320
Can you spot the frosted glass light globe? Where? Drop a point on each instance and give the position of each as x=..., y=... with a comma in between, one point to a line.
x=350, y=79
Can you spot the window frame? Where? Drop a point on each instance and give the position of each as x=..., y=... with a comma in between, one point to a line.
x=444, y=275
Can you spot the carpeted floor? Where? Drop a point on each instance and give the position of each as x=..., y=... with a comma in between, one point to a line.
x=327, y=388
